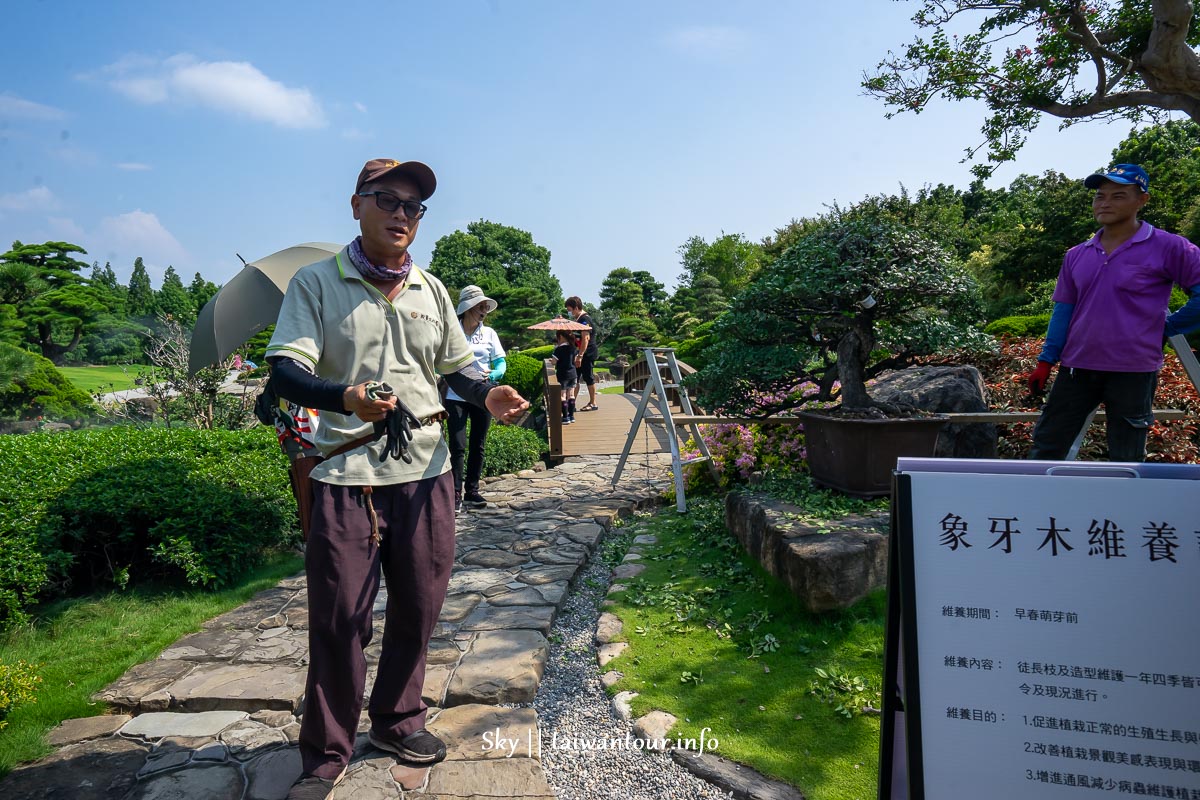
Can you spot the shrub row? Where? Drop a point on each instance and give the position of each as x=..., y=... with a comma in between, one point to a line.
x=510, y=449
x=525, y=374
x=101, y=507
x=1034, y=325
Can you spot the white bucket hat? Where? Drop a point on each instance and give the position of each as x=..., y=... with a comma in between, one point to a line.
x=471, y=296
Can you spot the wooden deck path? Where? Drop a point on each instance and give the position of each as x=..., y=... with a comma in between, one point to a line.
x=604, y=431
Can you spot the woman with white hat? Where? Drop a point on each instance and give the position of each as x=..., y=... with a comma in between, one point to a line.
x=473, y=306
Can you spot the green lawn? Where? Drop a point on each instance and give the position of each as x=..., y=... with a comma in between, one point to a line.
x=104, y=379
x=720, y=644
x=613, y=390
x=82, y=645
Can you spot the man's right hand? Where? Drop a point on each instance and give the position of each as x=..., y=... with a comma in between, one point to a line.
x=1038, y=378
x=357, y=402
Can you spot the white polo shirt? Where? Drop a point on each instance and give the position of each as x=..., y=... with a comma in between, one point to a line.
x=348, y=332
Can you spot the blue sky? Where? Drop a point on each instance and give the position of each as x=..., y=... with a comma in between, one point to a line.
x=188, y=132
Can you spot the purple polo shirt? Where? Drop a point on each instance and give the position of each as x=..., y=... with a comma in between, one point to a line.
x=1120, y=299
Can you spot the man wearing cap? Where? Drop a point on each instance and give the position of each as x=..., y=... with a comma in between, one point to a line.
x=1110, y=321
x=363, y=336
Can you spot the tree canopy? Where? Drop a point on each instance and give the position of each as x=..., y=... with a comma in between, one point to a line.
x=1074, y=60
x=501, y=260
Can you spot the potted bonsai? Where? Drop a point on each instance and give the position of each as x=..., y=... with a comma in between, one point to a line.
x=857, y=295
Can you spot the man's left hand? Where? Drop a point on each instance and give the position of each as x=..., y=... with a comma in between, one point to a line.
x=505, y=404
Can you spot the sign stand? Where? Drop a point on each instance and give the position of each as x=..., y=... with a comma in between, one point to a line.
x=1042, y=634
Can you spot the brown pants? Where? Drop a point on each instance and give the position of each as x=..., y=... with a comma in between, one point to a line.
x=416, y=522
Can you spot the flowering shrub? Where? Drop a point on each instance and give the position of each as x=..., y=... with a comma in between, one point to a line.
x=1004, y=374
x=734, y=450
x=18, y=684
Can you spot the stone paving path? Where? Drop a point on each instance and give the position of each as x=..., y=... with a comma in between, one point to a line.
x=215, y=716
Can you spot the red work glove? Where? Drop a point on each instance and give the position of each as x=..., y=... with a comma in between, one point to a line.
x=1037, y=379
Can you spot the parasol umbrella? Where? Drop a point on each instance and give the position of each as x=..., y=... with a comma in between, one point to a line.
x=559, y=324
x=249, y=302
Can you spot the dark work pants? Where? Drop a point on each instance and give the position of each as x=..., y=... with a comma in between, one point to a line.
x=1127, y=398
x=416, y=522
x=457, y=415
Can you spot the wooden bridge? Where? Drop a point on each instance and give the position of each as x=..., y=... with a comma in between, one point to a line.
x=602, y=432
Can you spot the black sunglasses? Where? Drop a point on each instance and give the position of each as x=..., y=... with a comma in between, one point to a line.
x=389, y=203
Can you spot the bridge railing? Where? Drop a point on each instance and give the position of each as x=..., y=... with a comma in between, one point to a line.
x=638, y=374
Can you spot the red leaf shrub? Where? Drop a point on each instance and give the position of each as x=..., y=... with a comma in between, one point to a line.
x=1004, y=373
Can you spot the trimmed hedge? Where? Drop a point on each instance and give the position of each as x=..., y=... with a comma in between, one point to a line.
x=1019, y=326
x=525, y=374
x=102, y=507
x=46, y=392
x=510, y=449
x=541, y=353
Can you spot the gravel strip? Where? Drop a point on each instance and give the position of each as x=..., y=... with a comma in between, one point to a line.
x=571, y=704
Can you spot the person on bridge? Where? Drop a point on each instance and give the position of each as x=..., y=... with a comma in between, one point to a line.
x=362, y=336
x=1110, y=321
x=585, y=358
x=473, y=306
x=564, y=371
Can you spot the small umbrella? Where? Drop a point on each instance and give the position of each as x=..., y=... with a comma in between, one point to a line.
x=559, y=324
x=249, y=302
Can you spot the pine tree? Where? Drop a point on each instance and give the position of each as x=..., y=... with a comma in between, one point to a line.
x=141, y=293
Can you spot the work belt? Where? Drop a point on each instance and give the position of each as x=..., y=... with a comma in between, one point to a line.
x=370, y=437
x=367, y=491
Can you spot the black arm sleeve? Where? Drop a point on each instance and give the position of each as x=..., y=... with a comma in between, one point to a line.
x=471, y=385
x=292, y=381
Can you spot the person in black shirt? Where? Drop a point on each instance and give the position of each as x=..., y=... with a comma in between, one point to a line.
x=564, y=371
x=585, y=358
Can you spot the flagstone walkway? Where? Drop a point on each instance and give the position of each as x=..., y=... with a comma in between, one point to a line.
x=215, y=715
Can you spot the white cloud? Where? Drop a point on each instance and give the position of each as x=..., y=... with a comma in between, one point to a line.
x=13, y=106
x=66, y=229
x=136, y=233
x=39, y=198
x=356, y=135
x=234, y=87
x=708, y=40
x=360, y=107
x=133, y=166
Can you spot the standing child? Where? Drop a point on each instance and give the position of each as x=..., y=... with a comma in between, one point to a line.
x=564, y=370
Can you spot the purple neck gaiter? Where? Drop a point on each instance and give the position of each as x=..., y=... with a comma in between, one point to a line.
x=369, y=270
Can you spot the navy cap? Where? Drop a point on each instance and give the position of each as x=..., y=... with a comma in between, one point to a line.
x=1120, y=173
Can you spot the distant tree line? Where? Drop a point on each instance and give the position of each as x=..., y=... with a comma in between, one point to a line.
x=1011, y=239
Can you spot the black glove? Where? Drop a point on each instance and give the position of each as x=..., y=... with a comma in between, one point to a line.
x=397, y=426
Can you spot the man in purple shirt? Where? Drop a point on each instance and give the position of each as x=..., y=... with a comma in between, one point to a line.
x=1110, y=320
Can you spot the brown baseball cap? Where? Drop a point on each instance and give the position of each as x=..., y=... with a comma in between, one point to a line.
x=378, y=167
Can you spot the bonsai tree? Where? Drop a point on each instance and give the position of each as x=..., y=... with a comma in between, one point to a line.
x=856, y=296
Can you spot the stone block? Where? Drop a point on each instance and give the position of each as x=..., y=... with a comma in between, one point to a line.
x=607, y=652
x=161, y=724
x=825, y=570
x=71, y=731
x=463, y=729
x=608, y=628
x=503, y=666
x=126, y=692
x=271, y=775
x=96, y=770
x=241, y=687
x=506, y=778
x=219, y=782
x=653, y=729
x=538, y=618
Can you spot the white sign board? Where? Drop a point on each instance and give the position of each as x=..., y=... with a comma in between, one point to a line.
x=1051, y=635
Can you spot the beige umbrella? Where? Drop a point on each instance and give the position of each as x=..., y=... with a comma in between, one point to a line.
x=559, y=324
x=249, y=302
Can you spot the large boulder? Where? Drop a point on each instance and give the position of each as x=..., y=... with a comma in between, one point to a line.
x=943, y=390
